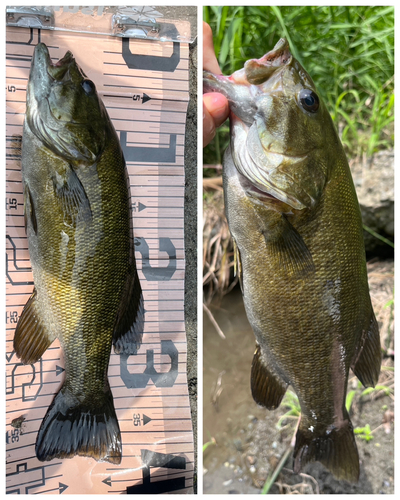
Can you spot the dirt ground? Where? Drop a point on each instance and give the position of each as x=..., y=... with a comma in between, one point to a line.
x=245, y=444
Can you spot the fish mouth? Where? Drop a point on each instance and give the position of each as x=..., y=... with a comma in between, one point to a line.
x=58, y=70
x=260, y=70
x=56, y=108
x=42, y=62
x=68, y=57
x=46, y=79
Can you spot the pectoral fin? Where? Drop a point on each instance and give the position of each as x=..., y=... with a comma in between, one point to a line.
x=32, y=337
x=29, y=209
x=267, y=388
x=289, y=249
x=237, y=263
x=72, y=196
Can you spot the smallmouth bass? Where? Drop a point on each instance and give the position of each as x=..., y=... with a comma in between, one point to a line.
x=296, y=226
x=87, y=291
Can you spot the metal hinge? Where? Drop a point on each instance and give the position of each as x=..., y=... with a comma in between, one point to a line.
x=30, y=17
x=126, y=26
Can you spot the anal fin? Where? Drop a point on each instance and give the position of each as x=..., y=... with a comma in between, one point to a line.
x=32, y=337
x=367, y=361
x=128, y=331
x=267, y=388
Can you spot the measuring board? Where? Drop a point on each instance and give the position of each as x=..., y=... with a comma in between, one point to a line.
x=144, y=86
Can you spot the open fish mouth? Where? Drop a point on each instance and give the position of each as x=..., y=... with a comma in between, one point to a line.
x=58, y=70
x=45, y=73
x=68, y=57
x=42, y=62
x=63, y=108
x=274, y=117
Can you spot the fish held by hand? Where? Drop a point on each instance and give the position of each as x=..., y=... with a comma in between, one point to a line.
x=296, y=226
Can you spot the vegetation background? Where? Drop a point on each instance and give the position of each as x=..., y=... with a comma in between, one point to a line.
x=347, y=50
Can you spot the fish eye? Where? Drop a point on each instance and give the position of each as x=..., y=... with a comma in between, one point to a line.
x=309, y=100
x=88, y=86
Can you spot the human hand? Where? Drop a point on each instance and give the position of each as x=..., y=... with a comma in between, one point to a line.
x=215, y=105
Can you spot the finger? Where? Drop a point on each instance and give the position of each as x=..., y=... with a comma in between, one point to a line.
x=210, y=62
x=218, y=107
x=208, y=127
x=215, y=112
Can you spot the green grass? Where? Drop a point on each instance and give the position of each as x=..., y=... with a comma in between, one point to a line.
x=291, y=402
x=348, y=51
x=364, y=433
x=380, y=237
x=209, y=443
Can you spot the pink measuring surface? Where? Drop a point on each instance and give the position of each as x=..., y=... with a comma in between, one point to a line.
x=144, y=85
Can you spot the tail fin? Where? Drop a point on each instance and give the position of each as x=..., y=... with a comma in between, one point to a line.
x=72, y=428
x=336, y=449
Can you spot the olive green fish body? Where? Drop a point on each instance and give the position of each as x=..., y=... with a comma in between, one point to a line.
x=295, y=221
x=87, y=291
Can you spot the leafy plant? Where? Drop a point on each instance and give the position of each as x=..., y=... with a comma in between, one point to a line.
x=367, y=391
x=290, y=401
x=377, y=388
x=212, y=442
x=364, y=433
x=349, y=399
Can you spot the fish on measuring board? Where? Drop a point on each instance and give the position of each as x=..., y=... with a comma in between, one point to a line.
x=299, y=252
x=86, y=287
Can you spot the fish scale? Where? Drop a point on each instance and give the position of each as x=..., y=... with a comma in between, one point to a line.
x=294, y=217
